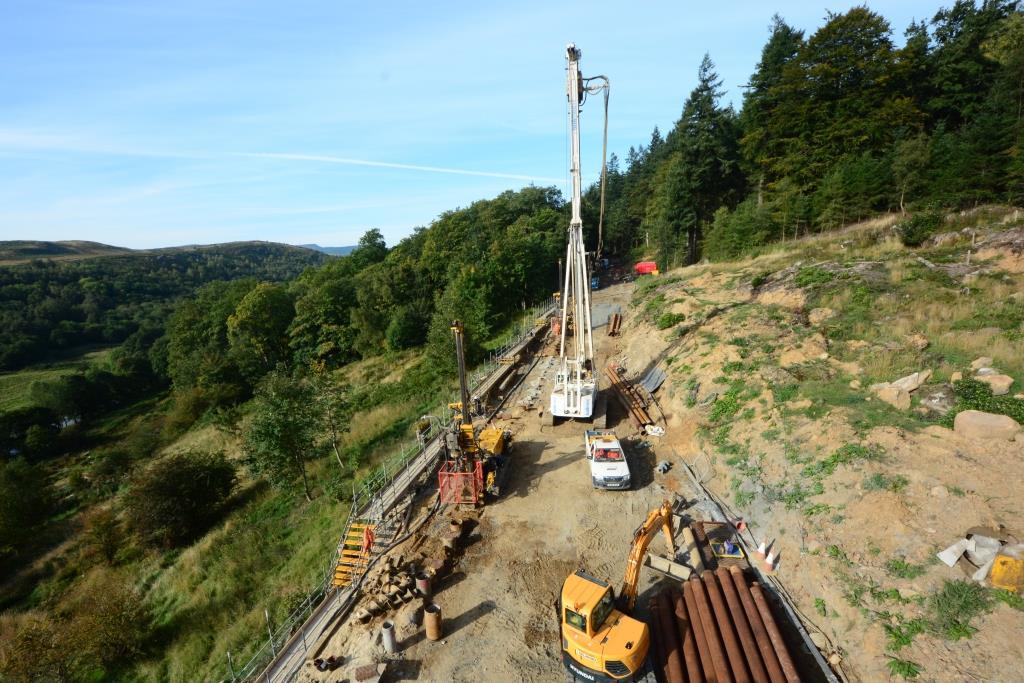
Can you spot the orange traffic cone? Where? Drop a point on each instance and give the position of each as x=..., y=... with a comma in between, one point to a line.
x=769, y=562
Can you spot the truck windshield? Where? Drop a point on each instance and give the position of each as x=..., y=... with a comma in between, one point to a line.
x=602, y=609
x=607, y=455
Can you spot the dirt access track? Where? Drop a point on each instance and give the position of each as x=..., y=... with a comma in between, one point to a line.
x=498, y=603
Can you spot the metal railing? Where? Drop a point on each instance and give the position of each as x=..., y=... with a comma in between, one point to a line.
x=367, y=491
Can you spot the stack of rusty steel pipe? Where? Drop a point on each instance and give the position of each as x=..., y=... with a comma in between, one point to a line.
x=718, y=629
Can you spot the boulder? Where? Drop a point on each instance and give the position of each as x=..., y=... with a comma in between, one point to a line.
x=912, y=382
x=917, y=341
x=975, y=424
x=984, y=372
x=1000, y=383
x=982, y=362
x=894, y=396
x=820, y=315
x=956, y=376
x=938, y=398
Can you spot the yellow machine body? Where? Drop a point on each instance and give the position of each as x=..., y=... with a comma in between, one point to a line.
x=598, y=641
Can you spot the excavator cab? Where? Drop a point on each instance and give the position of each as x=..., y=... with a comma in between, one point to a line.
x=599, y=642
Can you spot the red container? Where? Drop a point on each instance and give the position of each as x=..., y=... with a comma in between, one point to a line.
x=645, y=267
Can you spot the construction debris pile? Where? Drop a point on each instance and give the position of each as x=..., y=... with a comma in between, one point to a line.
x=410, y=574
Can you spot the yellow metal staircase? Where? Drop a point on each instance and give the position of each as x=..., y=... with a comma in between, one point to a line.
x=354, y=552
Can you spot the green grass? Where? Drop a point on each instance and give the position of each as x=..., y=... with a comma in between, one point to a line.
x=1012, y=599
x=954, y=607
x=880, y=482
x=809, y=276
x=667, y=320
x=903, y=569
x=903, y=668
x=14, y=386
x=902, y=635
x=843, y=455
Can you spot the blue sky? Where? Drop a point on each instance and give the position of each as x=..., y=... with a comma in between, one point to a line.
x=148, y=124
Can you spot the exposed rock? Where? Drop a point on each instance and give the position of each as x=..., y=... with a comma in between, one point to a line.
x=791, y=357
x=975, y=424
x=940, y=492
x=918, y=341
x=894, y=396
x=956, y=376
x=982, y=362
x=849, y=368
x=820, y=315
x=793, y=299
x=1019, y=397
x=984, y=372
x=938, y=398
x=1000, y=383
x=855, y=384
x=912, y=382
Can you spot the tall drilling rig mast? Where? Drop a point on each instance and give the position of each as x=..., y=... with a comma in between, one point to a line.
x=575, y=390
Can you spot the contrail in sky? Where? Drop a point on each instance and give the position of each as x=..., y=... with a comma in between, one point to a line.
x=386, y=164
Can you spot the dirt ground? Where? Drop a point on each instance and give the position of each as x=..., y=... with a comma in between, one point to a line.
x=499, y=619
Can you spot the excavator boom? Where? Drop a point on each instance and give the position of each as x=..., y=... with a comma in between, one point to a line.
x=659, y=518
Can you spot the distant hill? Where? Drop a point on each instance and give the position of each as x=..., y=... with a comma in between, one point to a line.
x=14, y=252
x=56, y=296
x=333, y=251
x=19, y=251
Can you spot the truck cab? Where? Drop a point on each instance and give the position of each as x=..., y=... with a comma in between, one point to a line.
x=608, y=466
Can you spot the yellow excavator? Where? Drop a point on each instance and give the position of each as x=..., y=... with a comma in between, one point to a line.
x=600, y=640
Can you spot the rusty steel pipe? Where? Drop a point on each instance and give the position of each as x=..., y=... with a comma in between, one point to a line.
x=725, y=627
x=773, y=632
x=719, y=659
x=657, y=641
x=764, y=643
x=691, y=658
x=698, y=633
x=739, y=620
x=673, y=656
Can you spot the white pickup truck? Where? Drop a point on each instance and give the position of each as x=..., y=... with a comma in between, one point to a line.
x=608, y=466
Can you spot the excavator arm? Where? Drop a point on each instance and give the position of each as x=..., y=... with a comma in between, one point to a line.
x=658, y=518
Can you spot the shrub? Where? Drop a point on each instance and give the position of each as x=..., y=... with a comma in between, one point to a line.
x=915, y=230
x=667, y=320
x=176, y=499
x=25, y=502
x=110, y=624
x=974, y=395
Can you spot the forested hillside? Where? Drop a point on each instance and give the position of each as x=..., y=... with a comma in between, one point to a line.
x=836, y=125
x=48, y=305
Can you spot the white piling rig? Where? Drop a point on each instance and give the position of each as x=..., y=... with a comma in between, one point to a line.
x=576, y=289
